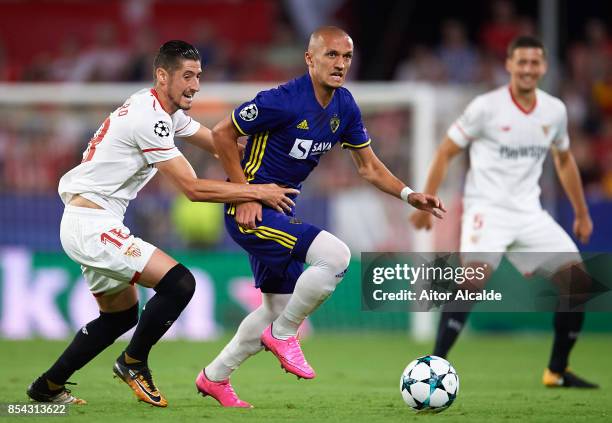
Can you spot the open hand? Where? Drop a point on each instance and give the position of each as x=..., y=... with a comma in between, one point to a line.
x=276, y=197
x=428, y=203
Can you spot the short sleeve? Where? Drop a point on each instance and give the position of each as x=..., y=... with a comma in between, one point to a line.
x=185, y=125
x=355, y=136
x=469, y=125
x=269, y=110
x=561, y=140
x=154, y=138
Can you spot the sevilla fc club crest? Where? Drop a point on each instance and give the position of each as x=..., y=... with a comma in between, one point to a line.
x=545, y=128
x=133, y=251
x=161, y=129
x=334, y=123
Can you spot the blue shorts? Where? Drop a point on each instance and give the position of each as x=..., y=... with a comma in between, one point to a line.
x=277, y=248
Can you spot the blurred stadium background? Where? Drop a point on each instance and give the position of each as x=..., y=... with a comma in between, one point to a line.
x=64, y=65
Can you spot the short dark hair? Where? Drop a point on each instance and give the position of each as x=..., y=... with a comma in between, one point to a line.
x=172, y=52
x=525, y=41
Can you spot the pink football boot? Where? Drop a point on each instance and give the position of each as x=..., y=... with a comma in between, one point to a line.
x=221, y=391
x=289, y=353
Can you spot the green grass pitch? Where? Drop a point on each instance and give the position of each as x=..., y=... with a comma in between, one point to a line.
x=357, y=381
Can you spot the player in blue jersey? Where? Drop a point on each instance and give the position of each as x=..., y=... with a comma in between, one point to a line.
x=289, y=129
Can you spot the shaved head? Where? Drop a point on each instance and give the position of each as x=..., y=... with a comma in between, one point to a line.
x=329, y=57
x=324, y=34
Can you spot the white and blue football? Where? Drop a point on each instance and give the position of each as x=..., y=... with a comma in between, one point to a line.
x=429, y=383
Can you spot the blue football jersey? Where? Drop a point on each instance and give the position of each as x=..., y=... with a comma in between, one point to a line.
x=289, y=131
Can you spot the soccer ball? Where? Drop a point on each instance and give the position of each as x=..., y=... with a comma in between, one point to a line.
x=429, y=383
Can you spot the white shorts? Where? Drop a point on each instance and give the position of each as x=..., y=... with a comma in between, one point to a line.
x=490, y=232
x=110, y=257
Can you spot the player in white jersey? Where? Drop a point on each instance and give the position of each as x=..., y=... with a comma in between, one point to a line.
x=132, y=144
x=509, y=132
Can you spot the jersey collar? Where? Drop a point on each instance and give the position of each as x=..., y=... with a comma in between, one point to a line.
x=310, y=88
x=521, y=108
x=157, y=98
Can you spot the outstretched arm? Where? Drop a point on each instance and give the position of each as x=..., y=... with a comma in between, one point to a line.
x=568, y=173
x=203, y=139
x=182, y=175
x=375, y=172
x=437, y=172
x=439, y=167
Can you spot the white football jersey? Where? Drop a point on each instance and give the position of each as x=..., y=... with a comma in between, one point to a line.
x=507, y=147
x=120, y=158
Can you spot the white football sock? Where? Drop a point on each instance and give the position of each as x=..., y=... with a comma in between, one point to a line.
x=328, y=258
x=245, y=342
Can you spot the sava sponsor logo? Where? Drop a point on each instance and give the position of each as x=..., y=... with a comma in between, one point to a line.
x=530, y=151
x=321, y=147
x=303, y=148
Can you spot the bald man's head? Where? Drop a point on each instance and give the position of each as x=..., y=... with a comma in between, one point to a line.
x=329, y=56
x=321, y=35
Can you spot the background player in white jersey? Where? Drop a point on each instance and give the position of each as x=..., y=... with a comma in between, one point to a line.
x=132, y=144
x=508, y=132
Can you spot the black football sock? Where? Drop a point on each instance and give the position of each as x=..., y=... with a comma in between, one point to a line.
x=450, y=326
x=90, y=341
x=173, y=293
x=567, y=327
